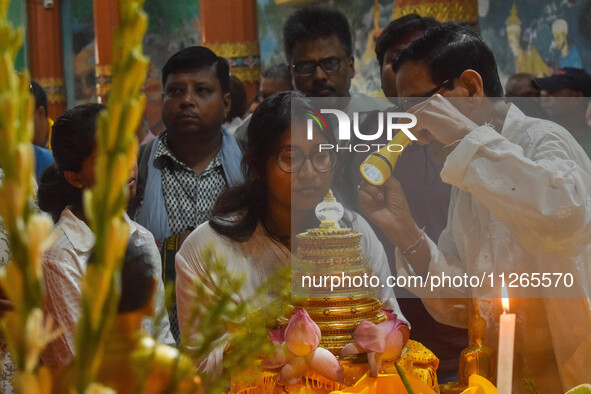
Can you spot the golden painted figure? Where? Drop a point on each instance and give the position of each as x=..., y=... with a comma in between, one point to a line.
x=476, y=359
x=527, y=60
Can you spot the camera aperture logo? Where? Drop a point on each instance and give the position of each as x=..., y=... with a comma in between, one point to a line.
x=392, y=122
x=318, y=118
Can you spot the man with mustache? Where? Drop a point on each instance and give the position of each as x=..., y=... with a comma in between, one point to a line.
x=319, y=50
x=191, y=162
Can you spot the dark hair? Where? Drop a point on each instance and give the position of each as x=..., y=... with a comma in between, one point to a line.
x=40, y=96
x=238, y=210
x=73, y=138
x=279, y=71
x=197, y=57
x=137, y=272
x=237, y=97
x=448, y=50
x=400, y=30
x=312, y=23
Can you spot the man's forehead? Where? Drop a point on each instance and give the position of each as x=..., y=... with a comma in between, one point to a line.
x=411, y=78
x=192, y=72
x=318, y=48
x=413, y=69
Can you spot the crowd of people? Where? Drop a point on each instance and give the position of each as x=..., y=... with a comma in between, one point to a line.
x=487, y=188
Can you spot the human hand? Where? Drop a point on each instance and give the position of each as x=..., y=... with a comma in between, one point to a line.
x=387, y=207
x=440, y=120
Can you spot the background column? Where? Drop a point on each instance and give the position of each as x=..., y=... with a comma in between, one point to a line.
x=45, y=53
x=229, y=28
x=106, y=20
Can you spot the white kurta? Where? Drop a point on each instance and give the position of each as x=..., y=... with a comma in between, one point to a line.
x=257, y=259
x=521, y=202
x=64, y=265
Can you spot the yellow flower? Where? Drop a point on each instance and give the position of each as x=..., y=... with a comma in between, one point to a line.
x=38, y=335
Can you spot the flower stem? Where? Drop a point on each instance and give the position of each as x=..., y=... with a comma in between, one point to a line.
x=404, y=379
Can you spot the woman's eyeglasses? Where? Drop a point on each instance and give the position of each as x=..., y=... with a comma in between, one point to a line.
x=307, y=68
x=292, y=160
x=412, y=101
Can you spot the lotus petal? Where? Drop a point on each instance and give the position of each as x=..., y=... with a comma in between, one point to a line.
x=326, y=364
x=277, y=336
x=352, y=348
x=293, y=371
x=280, y=356
x=370, y=336
x=375, y=363
x=390, y=314
x=396, y=336
x=302, y=335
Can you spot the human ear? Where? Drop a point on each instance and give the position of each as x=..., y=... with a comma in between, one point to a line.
x=352, y=66
x=74, y=179
x=471, y=81
x=40, y=112
x=227, y=99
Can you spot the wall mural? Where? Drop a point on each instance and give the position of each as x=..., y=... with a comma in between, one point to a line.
x=529, y=37
x=524, y=35
x=83, y=52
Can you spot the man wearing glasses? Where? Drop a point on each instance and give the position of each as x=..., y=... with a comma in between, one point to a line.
x=520, y=203
x=319, y=51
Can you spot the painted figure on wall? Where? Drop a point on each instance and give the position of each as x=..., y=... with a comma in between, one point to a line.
x=568, y=54
x=369, y=54
x=528, y=59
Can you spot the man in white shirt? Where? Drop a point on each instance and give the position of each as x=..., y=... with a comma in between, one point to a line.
x=520, y=203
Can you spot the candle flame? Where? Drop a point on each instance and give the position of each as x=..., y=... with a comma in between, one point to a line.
x=505, y=299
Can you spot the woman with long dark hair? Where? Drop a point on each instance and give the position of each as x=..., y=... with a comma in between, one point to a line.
x=286, y=176
x=61, y=186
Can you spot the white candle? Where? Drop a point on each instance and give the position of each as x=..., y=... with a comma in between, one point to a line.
x=506, y=342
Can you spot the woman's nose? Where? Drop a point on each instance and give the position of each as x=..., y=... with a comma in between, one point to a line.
x=307, y=170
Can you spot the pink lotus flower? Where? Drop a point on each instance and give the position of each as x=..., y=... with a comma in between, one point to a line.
x=296, y=350
x=383, y=341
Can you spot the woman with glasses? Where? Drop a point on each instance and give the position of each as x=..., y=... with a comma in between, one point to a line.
x=253, y=224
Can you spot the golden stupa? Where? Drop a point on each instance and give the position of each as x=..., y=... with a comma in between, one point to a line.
x=328, y=252
x=322, y=252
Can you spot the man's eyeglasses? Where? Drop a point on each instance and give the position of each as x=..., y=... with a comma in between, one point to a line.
x=308, y=67
x=412, y=101
x=292, y=160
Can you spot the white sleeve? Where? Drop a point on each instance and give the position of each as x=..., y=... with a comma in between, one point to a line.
x=544, y=200
x=190, y=275
x=62, y=302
